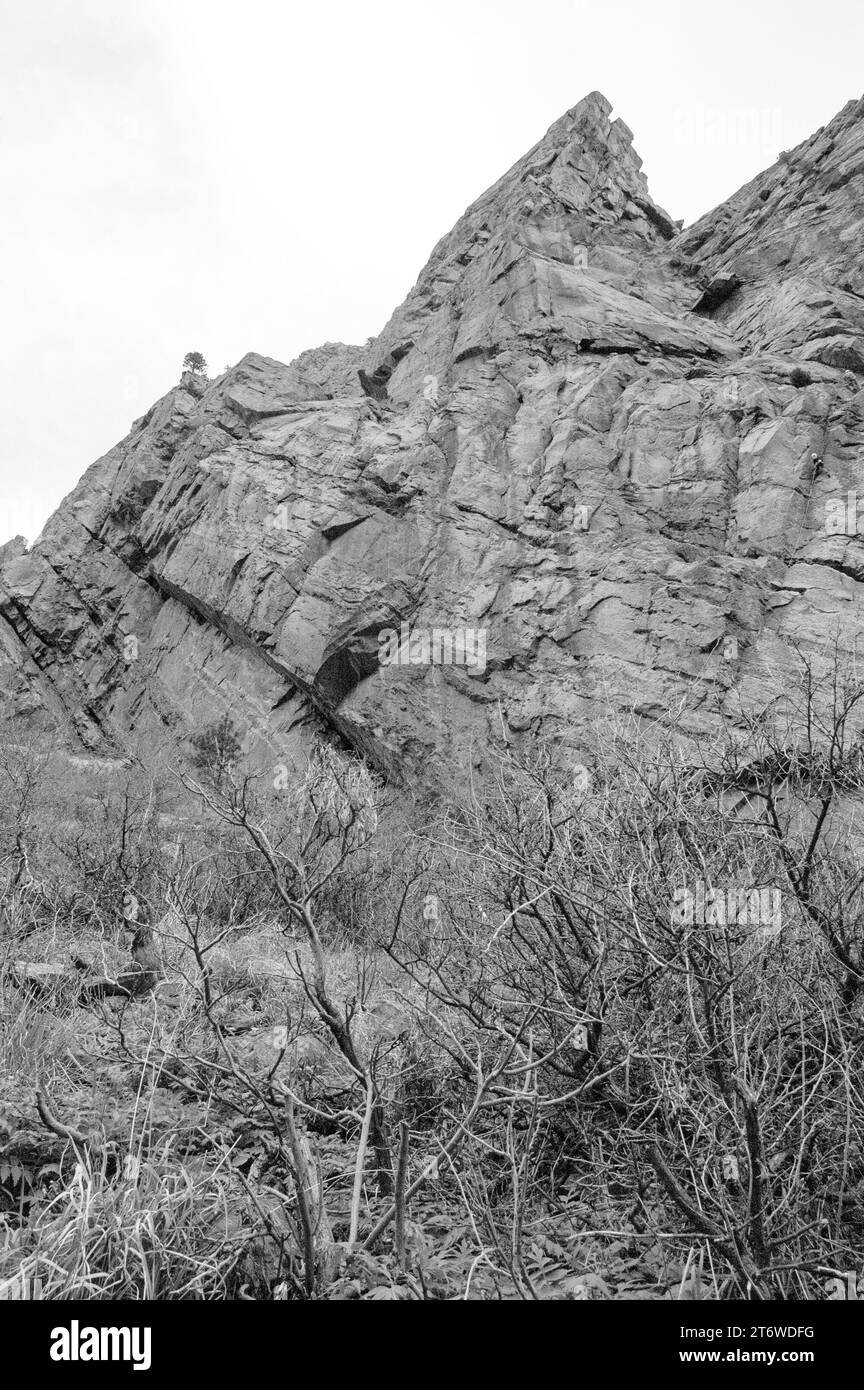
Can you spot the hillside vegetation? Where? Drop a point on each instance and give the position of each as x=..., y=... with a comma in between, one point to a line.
x=573, y=1038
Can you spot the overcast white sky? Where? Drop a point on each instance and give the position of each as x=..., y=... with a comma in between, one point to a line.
x=254, y=175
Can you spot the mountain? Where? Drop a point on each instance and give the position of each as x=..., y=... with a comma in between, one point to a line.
x=602, y=456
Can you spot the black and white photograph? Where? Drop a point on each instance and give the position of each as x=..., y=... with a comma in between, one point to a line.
x=432, y=671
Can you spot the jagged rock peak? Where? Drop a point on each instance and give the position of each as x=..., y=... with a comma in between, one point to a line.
x=584, y=166
x=579, y=189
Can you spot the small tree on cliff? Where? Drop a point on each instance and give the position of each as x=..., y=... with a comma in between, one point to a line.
x=195, y=362
x=216, y=749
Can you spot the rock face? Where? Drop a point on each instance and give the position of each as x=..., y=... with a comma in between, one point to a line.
x=592, y=460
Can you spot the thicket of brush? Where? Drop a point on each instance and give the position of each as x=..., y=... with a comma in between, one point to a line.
x=488, y=1059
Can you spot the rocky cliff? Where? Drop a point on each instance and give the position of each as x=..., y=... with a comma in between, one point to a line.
x=593, y=460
